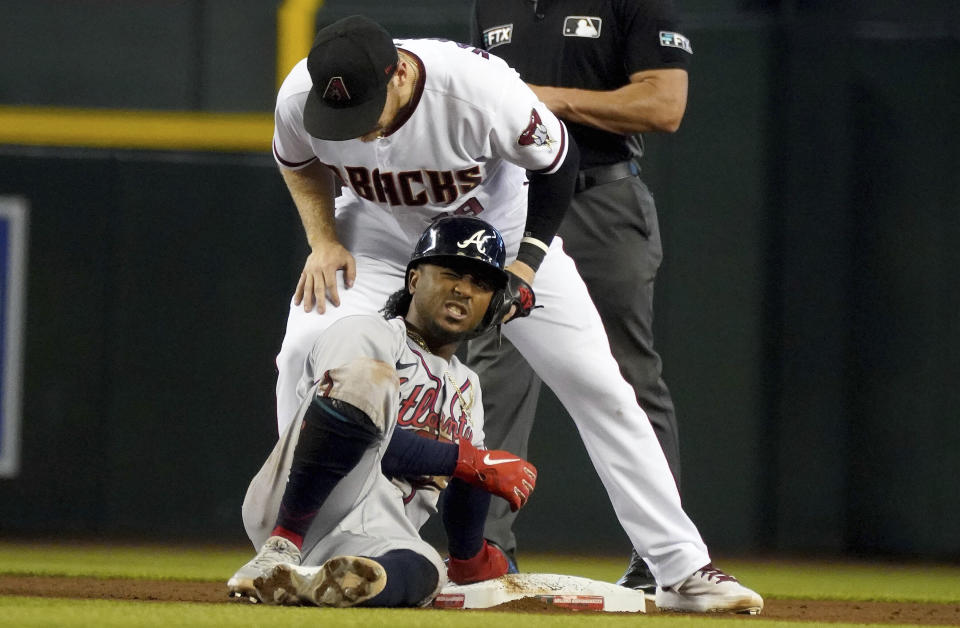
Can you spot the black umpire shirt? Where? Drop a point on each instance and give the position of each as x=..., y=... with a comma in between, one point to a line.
x=588, y=44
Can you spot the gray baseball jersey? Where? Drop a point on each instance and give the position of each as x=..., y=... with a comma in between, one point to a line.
x=368, y=514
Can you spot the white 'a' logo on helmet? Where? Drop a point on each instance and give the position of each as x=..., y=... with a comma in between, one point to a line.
x=479, y=240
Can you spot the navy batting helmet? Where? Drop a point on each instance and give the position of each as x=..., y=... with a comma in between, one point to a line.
x=463, y=241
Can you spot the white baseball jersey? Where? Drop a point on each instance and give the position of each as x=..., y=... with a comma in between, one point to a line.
x=470, y=117
x=368, y=514
x=472, y=131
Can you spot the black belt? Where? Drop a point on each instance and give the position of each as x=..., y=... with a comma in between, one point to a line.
x=599, y=175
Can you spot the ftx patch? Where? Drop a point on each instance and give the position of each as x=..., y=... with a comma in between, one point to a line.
x=497, y=36
x=675, y=40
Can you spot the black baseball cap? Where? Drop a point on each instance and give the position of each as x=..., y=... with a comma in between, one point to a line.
x=350, y=64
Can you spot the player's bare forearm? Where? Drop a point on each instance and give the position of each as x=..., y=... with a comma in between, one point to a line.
x=654, y=100
x=312, y=191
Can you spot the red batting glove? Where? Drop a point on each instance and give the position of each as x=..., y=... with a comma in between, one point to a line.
x=487, y=564
x=497, y=472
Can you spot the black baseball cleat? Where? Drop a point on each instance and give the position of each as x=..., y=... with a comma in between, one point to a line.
x=638, y=577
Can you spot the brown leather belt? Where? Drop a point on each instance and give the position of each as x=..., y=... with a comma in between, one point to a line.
x=599, y=175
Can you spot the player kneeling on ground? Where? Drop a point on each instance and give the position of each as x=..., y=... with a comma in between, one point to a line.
x=333, y=529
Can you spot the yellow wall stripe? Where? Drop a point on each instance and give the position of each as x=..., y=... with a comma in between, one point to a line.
x=296, y=28
x=166, y=130
x=111, y=128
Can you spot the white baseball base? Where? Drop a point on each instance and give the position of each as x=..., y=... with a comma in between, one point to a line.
x=565, y=591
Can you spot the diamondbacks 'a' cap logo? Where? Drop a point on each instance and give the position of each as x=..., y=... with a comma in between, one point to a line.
x=336, y=91
x=536, y=132
x=478, y=239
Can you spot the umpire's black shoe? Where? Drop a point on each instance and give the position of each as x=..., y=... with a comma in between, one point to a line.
x=510, y=555
x=638, y=576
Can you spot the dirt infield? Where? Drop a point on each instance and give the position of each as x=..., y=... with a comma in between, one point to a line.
x=216, y=592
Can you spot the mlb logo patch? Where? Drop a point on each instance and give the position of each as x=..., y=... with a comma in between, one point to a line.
x=497, y=36
x=582, y=26
x=675, y=40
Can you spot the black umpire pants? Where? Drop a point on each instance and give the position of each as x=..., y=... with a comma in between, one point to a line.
x=611, y=232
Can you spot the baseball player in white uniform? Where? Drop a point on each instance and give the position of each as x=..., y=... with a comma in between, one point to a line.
x=332, y=529
x=417, y=129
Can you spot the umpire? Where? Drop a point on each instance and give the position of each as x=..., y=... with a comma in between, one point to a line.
x=611, y=69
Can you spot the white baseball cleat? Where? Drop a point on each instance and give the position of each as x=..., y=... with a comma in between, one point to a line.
x=709, y=590
x=341, y=582
x=276, y=550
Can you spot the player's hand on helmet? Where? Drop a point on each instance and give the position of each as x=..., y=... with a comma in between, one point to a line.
x=489, y=563
x=498, y=472
x=318, y=281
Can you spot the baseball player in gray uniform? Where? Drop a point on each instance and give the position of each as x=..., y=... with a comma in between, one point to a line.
x=418, y=129
x=336, y=508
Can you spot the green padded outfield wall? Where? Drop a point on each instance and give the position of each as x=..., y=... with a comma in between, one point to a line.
x=157, y=297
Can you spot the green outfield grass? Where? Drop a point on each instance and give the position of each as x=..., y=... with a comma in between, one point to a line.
x=28, y=612
x=772, y=578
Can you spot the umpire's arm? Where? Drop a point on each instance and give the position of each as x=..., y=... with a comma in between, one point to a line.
x=653, y=100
